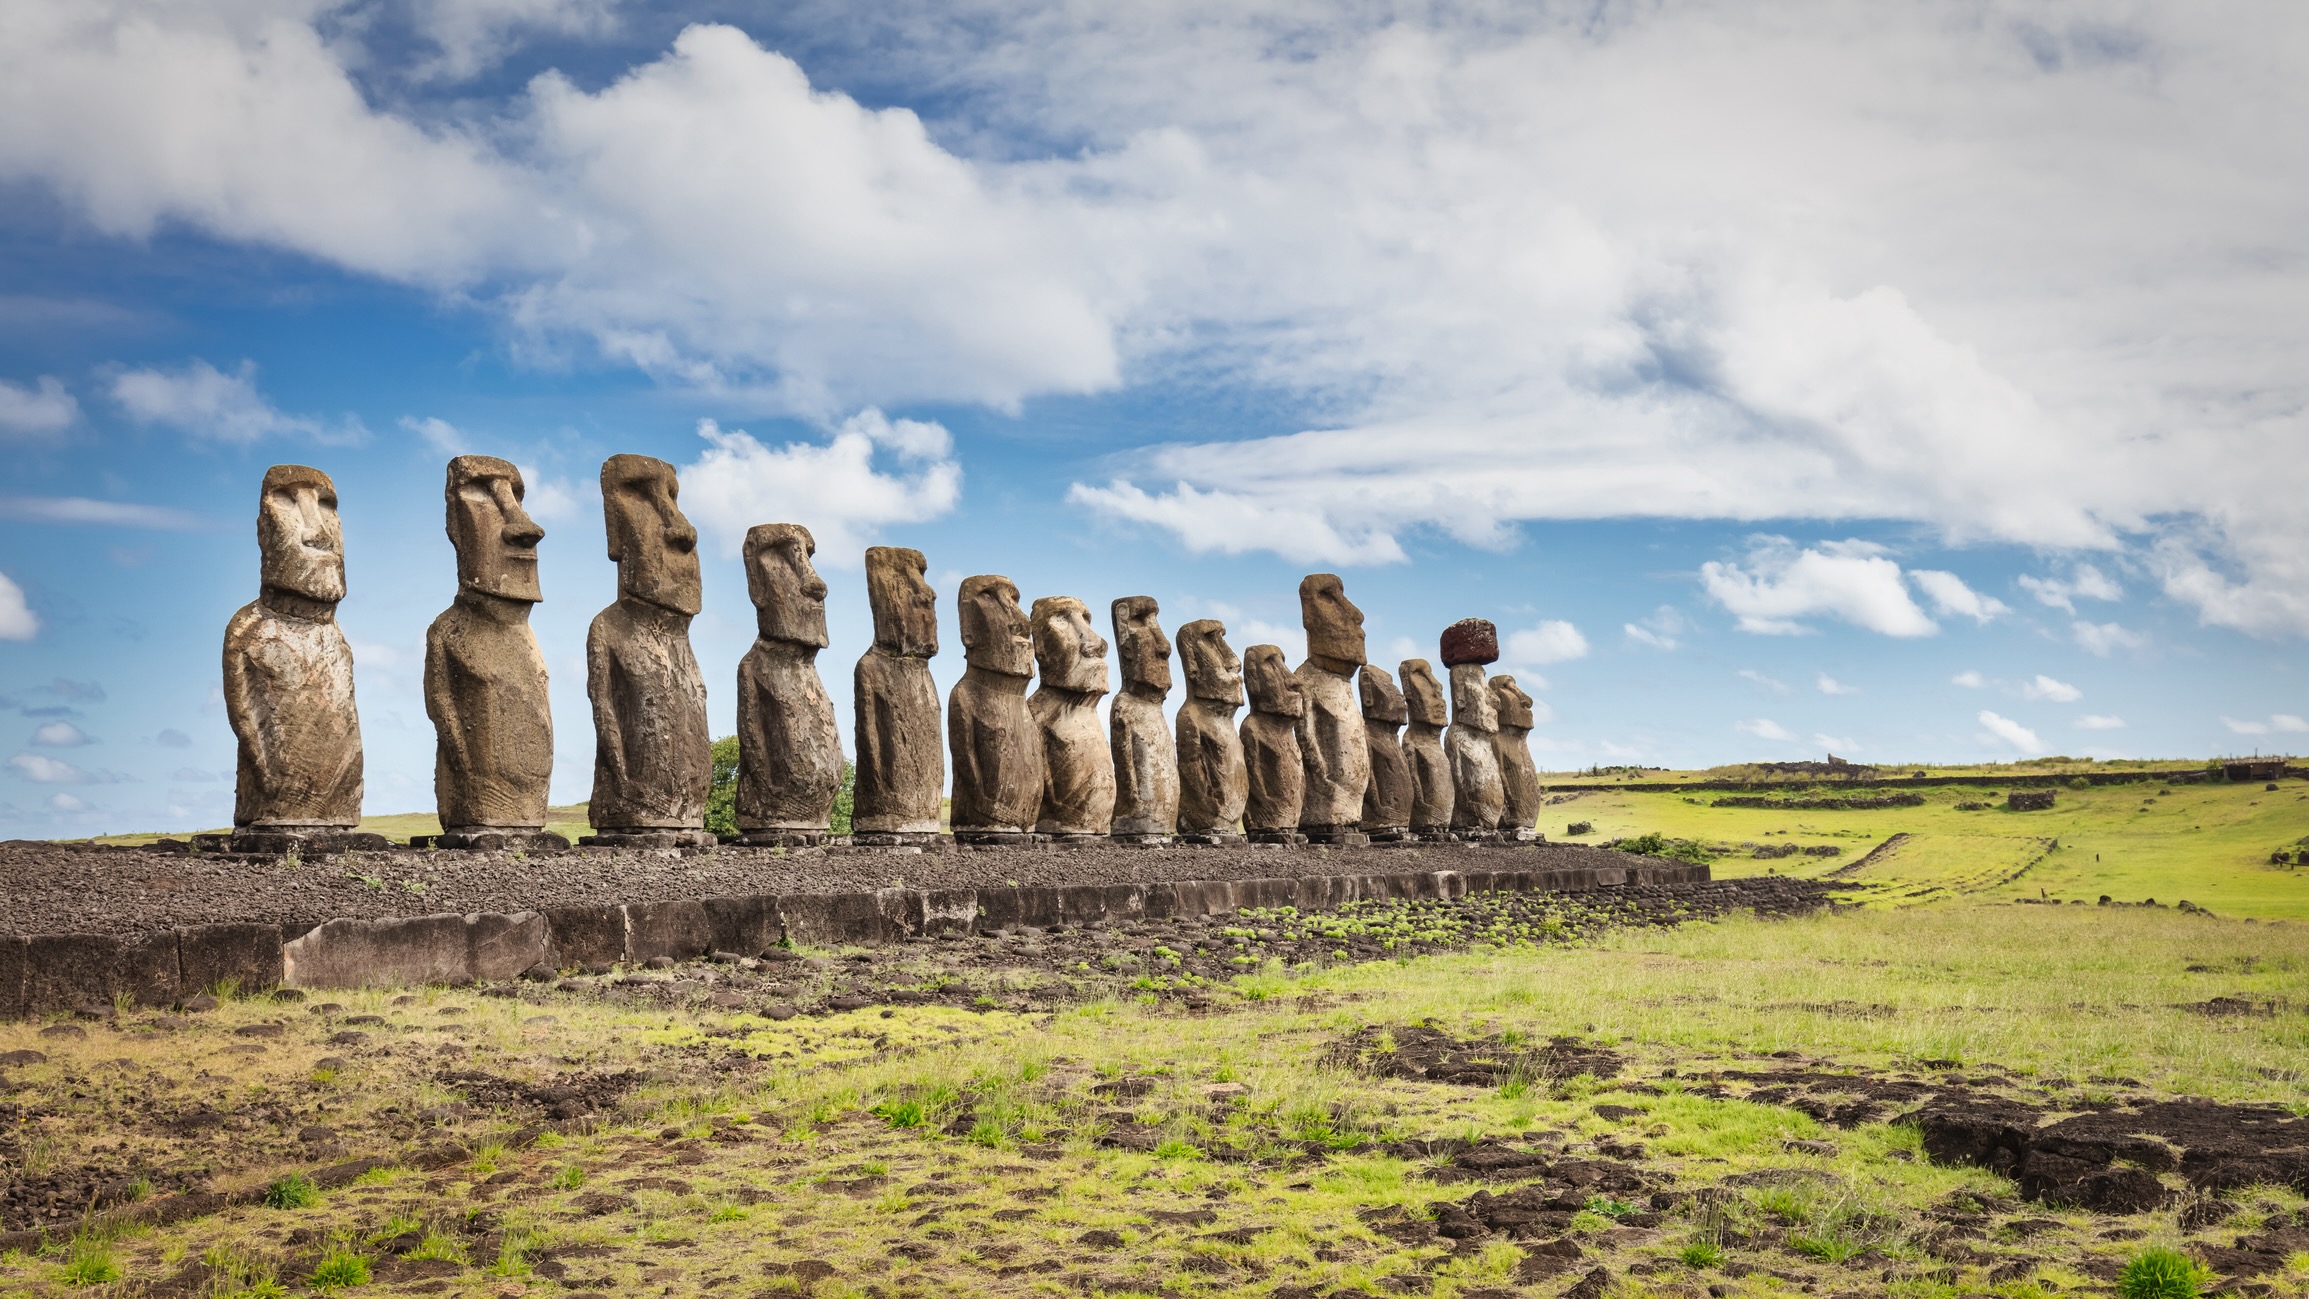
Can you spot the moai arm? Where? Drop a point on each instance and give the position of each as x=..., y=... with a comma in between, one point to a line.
x=600, y=689
x=240, y=698
x=441, y=697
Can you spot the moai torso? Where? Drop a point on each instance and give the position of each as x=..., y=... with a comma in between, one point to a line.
x=1478, y=795
x=1332, y=743
x=789, y=750
x=288, y=672
x=485, y=681
x=901, y=774
x=1278, y=777
x=1387, y=799
x=1077, y=765
x=1519, y=778
x=1214, y=784
x=1146, y=767
x=653, y=756
x=990, y=731
x=1428, y=712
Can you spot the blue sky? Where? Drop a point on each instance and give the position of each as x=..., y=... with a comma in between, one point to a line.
x=1923, y=387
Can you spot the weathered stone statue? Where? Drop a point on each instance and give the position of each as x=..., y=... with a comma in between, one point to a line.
x=789, y=752
x=288, y=679
x=653, y=756
x=1214, y=784
x=1077, y=766
x=1331, y=736
x=1431, y=792
x=901, y=775
x=1278, y=775
x=485, y=685
x=1519, y=777
x=996, y=746
x=1387, y=799
x=1479, y=797
x=1146, y=767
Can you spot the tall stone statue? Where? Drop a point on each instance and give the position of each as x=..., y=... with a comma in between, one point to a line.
x=1431, y=793
x=653, y=756
x=1278, y=774
x=1387, y=799
x=996, y=746
x=288, y=679
x=1077, y=767
x=789, y=752
x=1214, y=784
x=485, y=685
x=1146, y=767
x=1479, y=796
x=1519, y=777
x=1331, y=735
x=901, y=775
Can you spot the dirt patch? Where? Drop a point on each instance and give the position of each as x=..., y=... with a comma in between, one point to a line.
x=565, y=1096
x=2107, y=1161
x=1424, y=1053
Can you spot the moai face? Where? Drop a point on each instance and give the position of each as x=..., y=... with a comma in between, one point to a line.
x=656, y=549
x=1273, y=689
x=1213, y=671
x=496, y=540
x=1382, y=702
x=994, y=629
x=1334, y=625
x=1068, y=650
x=1471, y=703
x=789, y=597
x=905, y=608
x=1509, y=704
x=298, y=531
x=1146, y=652
x=1423, y=696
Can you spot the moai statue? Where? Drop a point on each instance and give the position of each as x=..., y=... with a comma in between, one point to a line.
x=1519, y=778
x=485, y=685
x=789, y=751
x=1278, y=775
x=1146, y=766
x=1387, y=799
x=1479, y=796
x=653, y=763
x=1332, y=741
x=901, y=776
x=1077, y=768
x=1214, y=784
x=1431, y=792
x=288, y=681
x=996, y=746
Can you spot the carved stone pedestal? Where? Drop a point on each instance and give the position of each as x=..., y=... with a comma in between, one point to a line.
x=1336, y=836
x=1001, y=839
x=1211, y=840
x=1277, y=839
x=648, y=838
x=492, y=840
x=1127, y=839
x=313, y=843
x=791, y=839
x=901, y=840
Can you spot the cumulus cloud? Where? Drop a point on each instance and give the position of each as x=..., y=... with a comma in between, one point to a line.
x=833, y=488
x=1779, y=584
x=40, y=410
x=41, y=769
x=1970, y=679
x=2085, y=583
x=69, y=803
x=437, y=433
x=2005, y=730
x=2286, y=723
x=470, y=36
x=1552, y=641
x=1829, y=685
x=2044, y=687
x=1764, y=728
x=2100, y=722
x=550, y=499
x=204, y=401
x=1660, y=631
x=2105, y=638
x=17, y=621
x=1952, y=598
x=59, y=735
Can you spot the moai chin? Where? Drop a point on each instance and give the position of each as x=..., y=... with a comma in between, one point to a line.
x=901, y=770
x=1387, y=799
x=1077, y=767
x=1431, y=793
x=1332, y=740
x=1479, y=795
x=1519, y=777
x=996, y=746
x=1214, y=784
x=1278, y=776
x=1146, y=765
x=789, y=750
x=653, y=756
x=288, y=678
x=485, y=679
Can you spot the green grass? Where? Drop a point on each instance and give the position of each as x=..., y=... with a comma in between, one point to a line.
x=2161, y=1273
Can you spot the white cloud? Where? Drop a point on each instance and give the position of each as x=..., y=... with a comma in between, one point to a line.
x=1953, y=599
x=1292, y=640
x=59, y=735
x=2100, y=722
x=103, y=514
x=2086, y=583
x=1774, y=685
x=2246, y=727
x=472, y=35
x=2105, y=638
x=2011, y=732
x=1764, y=728
x=1829, y=685
x=2278, y=722
x=550, y=499
x=1780, y=584
x=2044, y=687
x=41, y=410
x=438, y=433
x=206, y=402
x=1552, y=641
x=1658, y=631
x=2289, y=723
x=1835, y=742
x=1232, y=523
x=41, y=769
x=833, y=488
x=68, y=803
x=17, y=621
x=1970, y=679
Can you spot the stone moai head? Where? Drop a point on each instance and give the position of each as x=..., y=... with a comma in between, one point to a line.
x=1334, y=625
x=1213, y=671
x=789, y=597
x=905, y=608
x=299, y=534
x=1470, y=640
x=655, y=548
x=496, y=540
x=1068, y=650
x=1423, y=696
x=1509, y=703
x=995, y=635
x=1144, y=650
x=1468, y=645
x=1382, y=702
x=1273, y=687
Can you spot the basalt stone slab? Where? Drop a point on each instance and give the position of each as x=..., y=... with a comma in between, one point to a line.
x=69, y=971
x=838, y=919
x=746, y=923
x=942, y=911
x=585, y=935
x=208, y=955
x=679, y=929
x=493, y=841
x=649, y=839
x=446, y=948
x=12, y=961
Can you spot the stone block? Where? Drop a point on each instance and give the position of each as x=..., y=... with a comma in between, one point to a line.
x=68, y=971
x=679, y=930
x=744, y=923
x=445, y=948
x=585, y=935
x=12, y=962
x=942, y=911
x=208, y=955
x=503, y=944
x=837, y=919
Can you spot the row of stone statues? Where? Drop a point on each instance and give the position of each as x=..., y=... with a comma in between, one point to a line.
x=1322, y=755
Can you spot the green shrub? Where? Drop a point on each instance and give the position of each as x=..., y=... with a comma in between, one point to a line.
x=295, y=1191
x=338, y=1268
x=2160, y=1273
x=1700, y=1253
x=902, y=1114
x=722, y=796
x=91, y=1263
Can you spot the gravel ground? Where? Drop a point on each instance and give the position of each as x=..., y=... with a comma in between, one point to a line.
x=68, y=888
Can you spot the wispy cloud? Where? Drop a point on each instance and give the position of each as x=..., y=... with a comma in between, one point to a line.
x=1970, y=679
x=1951, y=598
x=1660, y=631
x=199, y=399
x=2278, y=723
x=2104, y=639
x=103, y=514
x=2085, y=583
x=17, y=621
x=2008, y=731
x=1552, y=641
x=2044, y=687
x=2100, y=722
x=42, y=410
x=1772, y=684
x=1764, y=728
x=1829, y=685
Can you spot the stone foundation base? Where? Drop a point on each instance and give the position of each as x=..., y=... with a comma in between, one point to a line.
x=1390, y=834
x=1334, y=836
x=476, y=840
x=910, y=840
x=1212, y=840
x=650, y=838
x=1521, y=834
x=1000, y=839
x=1070, y=839
x=1431, y=833
x=1278, y=838
x=791, y=839
x=1139, y=839
x=304, y=843
x=1475, y=836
